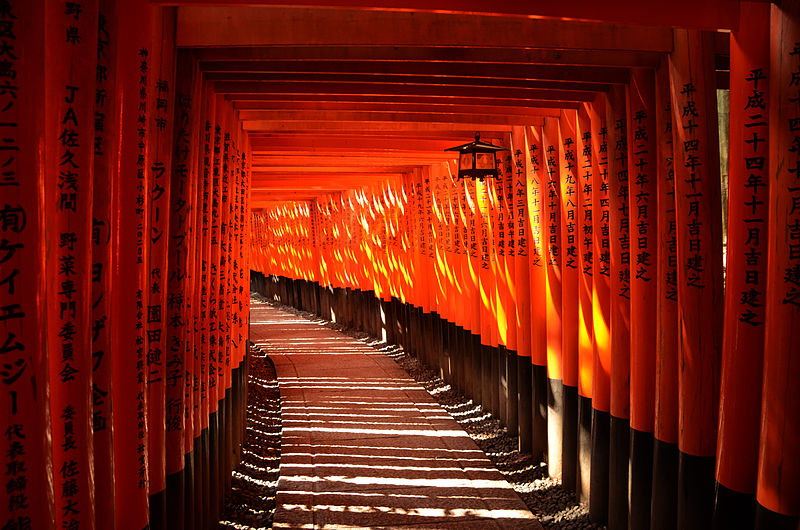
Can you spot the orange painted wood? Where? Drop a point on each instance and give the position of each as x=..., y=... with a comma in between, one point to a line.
x=106, y=141
x=71, y=65
x=508, y=227
x=498, y=315
x=538, y=221
x=190, y=102
x=206, y=170
x=161, y=97
x=666, y=401
x=698, y=223
x=486, y=242
x=500, y=266
x=571, y=236
x=711, y=15
x=551, y=148
x=585, y=178
x=482, y=54
x=216, y=323
x=27, y=458
x=448, y=69
x=620, y=255
x=642, y=201
x=502, y=94
x=778, y=463
x=601, y=258
x=748, y=182
x=520, y=229
x=244, y=26
x=130, y=274
x=475, y=245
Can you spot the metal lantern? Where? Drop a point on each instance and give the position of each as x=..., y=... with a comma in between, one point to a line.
x=477, y=159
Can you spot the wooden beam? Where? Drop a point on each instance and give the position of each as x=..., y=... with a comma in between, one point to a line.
x=251, y=109
x=406, y=81
x=302, y=169
x=354, y=144
x=433, y=54
x=323, y=127
x=258, y=177
x=696, y=14
x=265, y=162
x=451, y=70
x=251, y=117
x=289, y=87
x=345, y=135
x=259, y=26
x=389, y=101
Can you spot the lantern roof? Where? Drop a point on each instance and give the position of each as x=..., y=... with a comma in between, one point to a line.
x=477, y=146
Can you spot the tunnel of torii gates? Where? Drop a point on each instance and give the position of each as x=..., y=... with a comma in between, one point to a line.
x=627, y=311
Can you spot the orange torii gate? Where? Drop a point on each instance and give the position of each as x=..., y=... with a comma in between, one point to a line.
x=152, y=155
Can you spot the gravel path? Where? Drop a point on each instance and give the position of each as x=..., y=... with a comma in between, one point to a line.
x=252, y=501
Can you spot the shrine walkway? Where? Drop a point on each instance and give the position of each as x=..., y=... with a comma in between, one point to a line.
x=363, y=444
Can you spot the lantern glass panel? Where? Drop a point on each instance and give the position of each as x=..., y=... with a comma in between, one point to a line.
x=465, y=161
x=485, y=161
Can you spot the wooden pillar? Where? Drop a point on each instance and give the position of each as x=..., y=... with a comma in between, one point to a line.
x=497, y=263
x=129, y=279
x=619, y=234
x=508, y=357
x=486, y=290
x=521, y=233
x=571, y=235
x=585, y=170
x=698, y=224
x=743, y=334
x=27, y=457
x=106, y=139
x=68, y=141
x=778, y=491
x=601, y=312
x=642, y=198
x=554, y=260
x=162, y=73
x=665, y=446
x=537, y=197
x=474, y=246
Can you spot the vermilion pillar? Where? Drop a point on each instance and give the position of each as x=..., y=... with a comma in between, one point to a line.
x=497, y=263
x=665, y=445
x=643, y=229
x=553, y=258
x=585, y=170
x=778, y=491
x=71, y=43
x=571, y=236
x=513, y=298
x=178, y=317
x=620, y=310
x=129, y=279
x=106, y=141
x=537, y=197
x=486, y=288
x=162, y=75
x=601, y=311
x=698, y=226
x=474, y=246
x=27, y=458
x=746, y=276
x=520, y=227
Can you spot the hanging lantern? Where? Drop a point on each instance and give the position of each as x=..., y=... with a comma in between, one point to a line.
x=477, y=159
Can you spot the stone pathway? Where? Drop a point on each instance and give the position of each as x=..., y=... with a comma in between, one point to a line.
x=364, y=445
